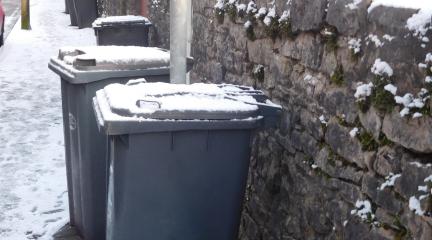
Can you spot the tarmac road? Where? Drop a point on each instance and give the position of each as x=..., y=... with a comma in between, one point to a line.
x=12, y=9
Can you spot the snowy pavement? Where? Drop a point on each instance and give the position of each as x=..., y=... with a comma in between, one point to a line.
x=33, y=197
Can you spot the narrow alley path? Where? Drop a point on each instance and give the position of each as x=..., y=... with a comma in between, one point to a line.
x=33, y=197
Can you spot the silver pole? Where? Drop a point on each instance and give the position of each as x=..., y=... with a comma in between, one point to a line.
x=178, y=40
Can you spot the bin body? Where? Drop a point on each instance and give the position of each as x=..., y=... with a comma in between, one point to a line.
x=186, y=185
x=85, y=146
x=84, y=12
x=67, y=6
x=122, y=31
x=72, y=12
x=86, y=151
x=179, y=158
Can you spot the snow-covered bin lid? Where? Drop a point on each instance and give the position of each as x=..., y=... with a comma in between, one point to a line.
x=115, y=57
x=153, y=107
x=113, y=21
x=93, y=63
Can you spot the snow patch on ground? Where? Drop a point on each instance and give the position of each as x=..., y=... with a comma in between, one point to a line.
x=33, y=192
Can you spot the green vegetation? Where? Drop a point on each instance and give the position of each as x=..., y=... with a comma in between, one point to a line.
x=250, y=33
x=384, y=141
x=332, y=157
x=220, y=15
x=258, y=73
x=231, y=10
x=355, y=55
x=337, y=77
x=402, y=231
x=286, y=29
x=241, y=13
x=429, y=70
x=364, y=105
x=382, y=99
x=367, y=141
x=273, y=29
x=309, y=160
x=330, y=35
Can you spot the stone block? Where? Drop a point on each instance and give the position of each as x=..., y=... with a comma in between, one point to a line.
x=307, y=15
x=306, y=48
x=414, y=134
x=339, y=139
x=349, y=18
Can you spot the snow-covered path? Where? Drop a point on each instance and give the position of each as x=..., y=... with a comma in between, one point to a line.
x=33, y=197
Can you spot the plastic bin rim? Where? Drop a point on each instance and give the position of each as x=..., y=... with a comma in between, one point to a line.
x=135, y=126
x=74, y=76
x=122, y=24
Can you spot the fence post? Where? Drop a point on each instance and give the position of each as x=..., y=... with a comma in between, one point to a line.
x=25, y=14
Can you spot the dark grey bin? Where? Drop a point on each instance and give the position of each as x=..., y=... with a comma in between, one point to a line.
x=83, y=12
x=86, y=147
x=122, y=31
x=67, y=6
x=178, y=179
x=72, y=12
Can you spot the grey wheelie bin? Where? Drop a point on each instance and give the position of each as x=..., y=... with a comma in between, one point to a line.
x=179, y=157
x=67, y=6
x=72, y=12
x=122, y=31
x=83, y=71
x=83, y=12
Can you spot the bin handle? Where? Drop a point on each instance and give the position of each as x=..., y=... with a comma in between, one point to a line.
x=273, y=106
x=136, y=81
x=154, y=105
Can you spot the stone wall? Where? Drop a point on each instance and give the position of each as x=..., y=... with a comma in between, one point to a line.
x=119, y=7
x=159, y=15
x=334, y=155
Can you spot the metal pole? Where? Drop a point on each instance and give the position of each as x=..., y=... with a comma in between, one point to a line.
x=189, y=34
x=178, y=40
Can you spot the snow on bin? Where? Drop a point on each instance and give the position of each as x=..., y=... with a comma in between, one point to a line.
x=179, y=157
x=83, y=71
x=122, y=31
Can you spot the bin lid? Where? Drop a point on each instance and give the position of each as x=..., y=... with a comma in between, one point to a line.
x=113, y=21
x=93, y=63
x=147, y=107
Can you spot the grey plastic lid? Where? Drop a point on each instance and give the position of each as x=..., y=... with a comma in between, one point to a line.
x=80, y=65
x=115, y=21
x=155, y=107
